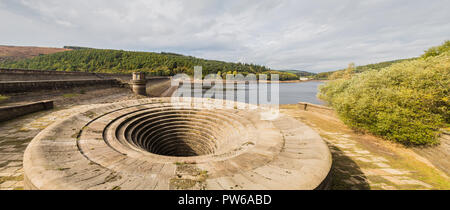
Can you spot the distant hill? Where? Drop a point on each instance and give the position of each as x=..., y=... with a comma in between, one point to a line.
x=119, y=61
x=300, y=73
x=13, y=53
x=377, y=66
x=77, y=48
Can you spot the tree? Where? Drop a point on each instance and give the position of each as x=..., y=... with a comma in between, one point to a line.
x=119, y=61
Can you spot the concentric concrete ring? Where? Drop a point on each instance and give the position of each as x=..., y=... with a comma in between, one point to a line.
x=156, y=144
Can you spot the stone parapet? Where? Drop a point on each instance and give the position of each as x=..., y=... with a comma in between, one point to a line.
x=12, y=111
x=29, y=86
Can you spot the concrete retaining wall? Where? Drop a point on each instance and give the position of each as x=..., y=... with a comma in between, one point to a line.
x=305, y=106
x=157, y=87
x=33, y=75
x=314, y=107
x=29, y=86
x=13, y=111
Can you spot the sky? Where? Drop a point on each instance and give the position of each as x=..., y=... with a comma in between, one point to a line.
x=315, y=36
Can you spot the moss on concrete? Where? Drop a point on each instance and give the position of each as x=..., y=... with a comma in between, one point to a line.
x=70, y=95
x=11, y=178
x=188, y=177
x=3, y=98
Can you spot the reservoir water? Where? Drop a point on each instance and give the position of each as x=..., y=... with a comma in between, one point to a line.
x=289, y=93
x=292, y=93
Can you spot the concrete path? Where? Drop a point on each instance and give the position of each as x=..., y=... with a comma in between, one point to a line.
x=16, y=134
x=359, y=168
x=364, y=162
x=14, y=138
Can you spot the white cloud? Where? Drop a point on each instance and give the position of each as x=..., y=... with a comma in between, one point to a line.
x=282, y=34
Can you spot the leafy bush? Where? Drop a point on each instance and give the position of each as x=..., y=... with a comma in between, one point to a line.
x=435, y=51
x=2, y=98
x=332, y=75
x=407, y=102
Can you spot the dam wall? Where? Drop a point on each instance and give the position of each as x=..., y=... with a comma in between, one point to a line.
x=30, y=86
x=21, y=80
x=33, y=75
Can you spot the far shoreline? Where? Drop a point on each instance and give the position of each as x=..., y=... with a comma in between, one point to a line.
x=300, y=81
x=261, y=81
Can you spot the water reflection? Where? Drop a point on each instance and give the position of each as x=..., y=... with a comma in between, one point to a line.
x=289, y=93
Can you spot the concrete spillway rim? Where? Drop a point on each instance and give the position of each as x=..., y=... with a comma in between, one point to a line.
x=55, y=159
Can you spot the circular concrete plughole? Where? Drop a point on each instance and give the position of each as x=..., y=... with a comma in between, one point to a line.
x=159, y=144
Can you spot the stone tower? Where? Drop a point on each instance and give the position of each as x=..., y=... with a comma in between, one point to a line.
x=139, y=83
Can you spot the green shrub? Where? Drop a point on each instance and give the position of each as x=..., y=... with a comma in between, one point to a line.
x=341, y=74
x=2, y=98
x=407, y=102
x=435, y=51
